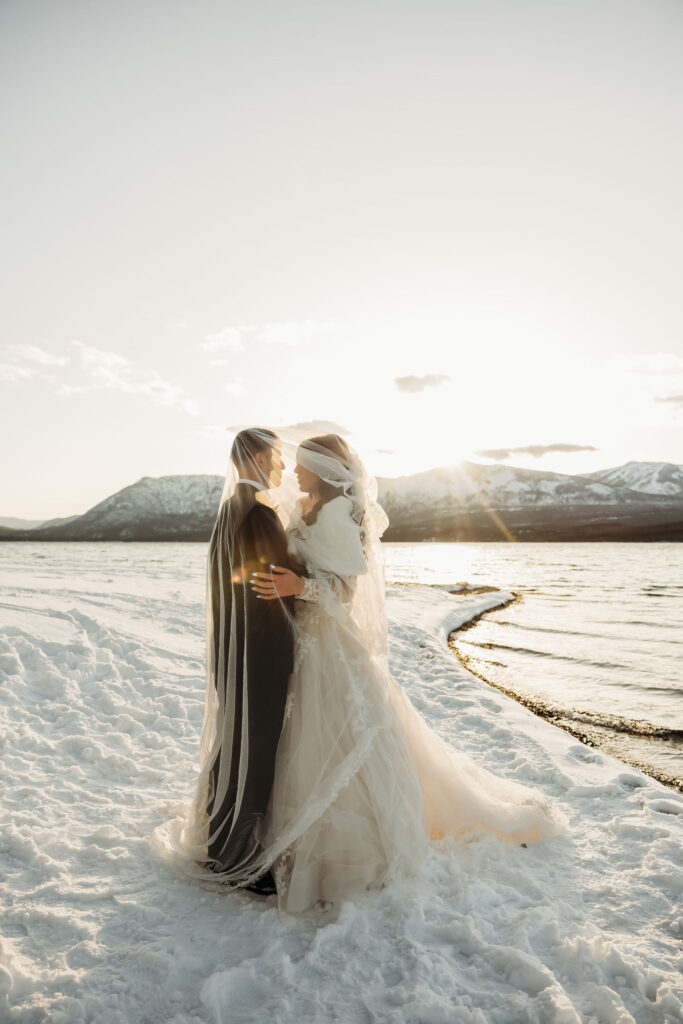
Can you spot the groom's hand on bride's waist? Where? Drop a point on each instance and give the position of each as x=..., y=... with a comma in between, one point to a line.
x=278, y=582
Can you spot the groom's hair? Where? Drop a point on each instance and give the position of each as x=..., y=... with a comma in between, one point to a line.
x=250, y=441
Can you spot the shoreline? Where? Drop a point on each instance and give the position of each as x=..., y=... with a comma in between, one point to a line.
x=535, y=704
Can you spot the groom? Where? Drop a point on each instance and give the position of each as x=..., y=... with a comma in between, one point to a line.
x=259, y=668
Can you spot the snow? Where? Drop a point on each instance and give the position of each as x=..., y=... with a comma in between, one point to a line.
x=513, y=487
x=170, y=495
x=101, y=698
x=663, y=478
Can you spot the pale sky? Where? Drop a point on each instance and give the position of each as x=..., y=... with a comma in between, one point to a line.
x=455, y=229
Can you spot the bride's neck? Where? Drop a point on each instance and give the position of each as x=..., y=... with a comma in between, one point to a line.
x=309, y=500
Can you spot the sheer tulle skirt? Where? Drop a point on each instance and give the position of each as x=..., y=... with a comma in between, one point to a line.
x=362, y=782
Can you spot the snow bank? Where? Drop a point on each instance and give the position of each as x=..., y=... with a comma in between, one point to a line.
x=101, y=698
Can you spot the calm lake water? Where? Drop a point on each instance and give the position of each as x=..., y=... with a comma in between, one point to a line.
x=594, y=639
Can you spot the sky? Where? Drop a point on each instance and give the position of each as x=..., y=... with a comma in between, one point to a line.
x=454, y=230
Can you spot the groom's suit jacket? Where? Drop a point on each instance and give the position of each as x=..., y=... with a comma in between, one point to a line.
x=265, y=644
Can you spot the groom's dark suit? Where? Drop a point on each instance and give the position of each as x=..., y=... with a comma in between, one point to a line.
x=253, y=539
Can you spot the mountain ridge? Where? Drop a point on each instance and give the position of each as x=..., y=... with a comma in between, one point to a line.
x=468, y=501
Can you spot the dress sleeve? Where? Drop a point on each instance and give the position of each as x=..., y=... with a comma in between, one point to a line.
x=334, y=558
x=311, y=591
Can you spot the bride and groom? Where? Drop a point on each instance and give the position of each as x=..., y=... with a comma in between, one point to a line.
x=318, y=778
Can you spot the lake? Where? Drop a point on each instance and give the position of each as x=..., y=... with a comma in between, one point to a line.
x=594, y=639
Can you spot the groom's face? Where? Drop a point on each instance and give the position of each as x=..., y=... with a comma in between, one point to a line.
x=274, y=466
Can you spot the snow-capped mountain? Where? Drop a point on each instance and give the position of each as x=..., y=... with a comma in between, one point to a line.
x=647, y=477
x=471, y=485
x=153, y=508
x=466, y=502
x=476, y=502
x=185, y=500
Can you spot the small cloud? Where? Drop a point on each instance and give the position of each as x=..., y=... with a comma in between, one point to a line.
x=34, y=354
x=536, y=450
x=101, y=362
x=29, y=362
x=305, y=427
x=412, y=385
x=385, y=451
x=672, y=399
x=318, y=427
x=291, y=332
x=14, y=373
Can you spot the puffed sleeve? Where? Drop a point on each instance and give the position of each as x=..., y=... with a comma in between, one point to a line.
x=334, y=556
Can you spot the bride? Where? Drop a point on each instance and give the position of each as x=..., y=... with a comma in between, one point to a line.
x=362, y=783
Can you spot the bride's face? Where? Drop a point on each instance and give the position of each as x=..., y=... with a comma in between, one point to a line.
x=308, y=481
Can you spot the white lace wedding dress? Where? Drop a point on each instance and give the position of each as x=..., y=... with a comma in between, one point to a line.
x=361, y=781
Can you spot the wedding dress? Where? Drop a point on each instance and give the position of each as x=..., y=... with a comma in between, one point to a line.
x=377, y=782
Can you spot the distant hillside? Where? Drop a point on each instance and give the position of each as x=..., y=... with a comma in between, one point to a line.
x=32, y=524
x=20, y=524
x=637, y=501
x=476, y=502
x=647, y=477
x=154, y=508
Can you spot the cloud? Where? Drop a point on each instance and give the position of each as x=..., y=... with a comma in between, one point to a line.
x=29, y=362
x=34, y=354
x=101, y=361
x=294, y=332
x=537, y=450
x=13, y=373
x=411, y=385
x=673, y=399
x=105, y=370
x=308, y=427
x=318, y=427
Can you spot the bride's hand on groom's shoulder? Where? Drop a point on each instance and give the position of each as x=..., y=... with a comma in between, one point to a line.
x=278, y=582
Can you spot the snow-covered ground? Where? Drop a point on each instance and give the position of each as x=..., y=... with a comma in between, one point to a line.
x=100, y=702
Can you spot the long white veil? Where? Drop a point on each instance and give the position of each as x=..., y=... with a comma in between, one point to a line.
x=351, y=579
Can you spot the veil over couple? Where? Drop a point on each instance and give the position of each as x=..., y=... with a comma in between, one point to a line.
x=318, y=778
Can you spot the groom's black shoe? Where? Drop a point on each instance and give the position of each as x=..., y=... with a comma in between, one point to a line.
x=264, y=886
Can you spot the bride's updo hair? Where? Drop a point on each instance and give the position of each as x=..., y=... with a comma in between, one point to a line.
x=338, y=449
